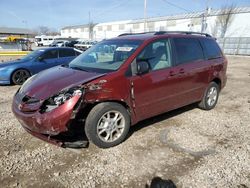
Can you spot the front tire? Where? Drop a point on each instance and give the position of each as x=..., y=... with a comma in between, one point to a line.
x=210, y=97
x=107, y=124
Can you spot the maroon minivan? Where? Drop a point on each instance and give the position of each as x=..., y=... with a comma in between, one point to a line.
x=121, y=81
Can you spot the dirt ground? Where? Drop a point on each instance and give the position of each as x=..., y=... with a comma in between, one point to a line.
x=192, y=147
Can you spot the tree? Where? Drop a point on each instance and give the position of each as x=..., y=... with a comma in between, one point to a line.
x=224, y=19
x=43, y=30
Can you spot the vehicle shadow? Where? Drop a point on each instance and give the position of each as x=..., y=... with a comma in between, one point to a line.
x=76, y=137
x=159, y=118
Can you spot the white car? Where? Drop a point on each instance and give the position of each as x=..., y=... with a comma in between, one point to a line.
x=84, y=45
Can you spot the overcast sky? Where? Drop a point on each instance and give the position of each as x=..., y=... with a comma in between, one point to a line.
x=60, y=13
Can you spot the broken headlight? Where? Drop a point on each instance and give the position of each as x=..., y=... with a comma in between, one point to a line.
x=59, y=99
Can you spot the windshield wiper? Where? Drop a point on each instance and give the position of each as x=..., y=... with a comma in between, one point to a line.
x=79, y=68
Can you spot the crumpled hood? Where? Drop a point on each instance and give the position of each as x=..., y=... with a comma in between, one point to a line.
x=51, y=81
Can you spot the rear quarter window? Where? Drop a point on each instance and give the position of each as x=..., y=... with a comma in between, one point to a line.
x=66, y=52
x=187, y=50
x=212, y=49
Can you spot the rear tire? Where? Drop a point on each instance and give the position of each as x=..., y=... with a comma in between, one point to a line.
x=210, y=97
x=107, y=124
x=20, y=76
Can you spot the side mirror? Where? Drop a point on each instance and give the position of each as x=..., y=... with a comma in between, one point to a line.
x=40, y=58
x=142, y=67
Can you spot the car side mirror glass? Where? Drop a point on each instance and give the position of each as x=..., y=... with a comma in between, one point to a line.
x=142, y=67
x=40, y=59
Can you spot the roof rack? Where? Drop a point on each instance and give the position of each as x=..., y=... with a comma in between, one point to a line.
x=181, y=32
x=125, y=34
x=167, y=32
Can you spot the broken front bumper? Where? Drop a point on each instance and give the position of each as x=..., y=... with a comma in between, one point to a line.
x=49, y=123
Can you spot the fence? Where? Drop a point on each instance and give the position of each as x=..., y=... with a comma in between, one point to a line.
x=235, y=45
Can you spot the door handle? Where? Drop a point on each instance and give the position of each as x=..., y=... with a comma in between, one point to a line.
x=172, y=73
x=181, y=71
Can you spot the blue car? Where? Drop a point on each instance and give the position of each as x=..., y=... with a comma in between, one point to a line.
x=18, y=71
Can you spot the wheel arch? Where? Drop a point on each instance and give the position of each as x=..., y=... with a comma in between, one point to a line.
x=217, y=81
x=20, y=68
x=89, y=106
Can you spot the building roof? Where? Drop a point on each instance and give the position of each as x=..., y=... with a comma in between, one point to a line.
x=13, y=30
x=165, y=18
x=77, y=26
x=192, y=15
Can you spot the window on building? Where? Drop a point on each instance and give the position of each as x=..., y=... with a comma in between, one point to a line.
x=109, y=28
x=136, y=26
x=86, y=29
x=188, y=49
x=99, y=28
x=171, y=23
x=121, y=26
x=195, y=21
x=151, y=26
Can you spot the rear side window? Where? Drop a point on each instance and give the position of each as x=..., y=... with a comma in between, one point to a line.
x=211, y=48
x=188, y=49
x=66, y=53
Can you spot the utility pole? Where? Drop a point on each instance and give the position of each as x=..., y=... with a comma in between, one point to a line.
x=90, y=27
x=204, y=21
x=204, y=18
x=145, y=15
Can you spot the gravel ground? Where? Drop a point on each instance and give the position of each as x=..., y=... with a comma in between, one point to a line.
x=193, y=148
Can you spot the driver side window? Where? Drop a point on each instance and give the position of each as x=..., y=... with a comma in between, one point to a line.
x=157, y=54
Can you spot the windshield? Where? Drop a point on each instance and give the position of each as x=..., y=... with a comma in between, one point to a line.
x=32, y=55
x=105, y=56
x=38, y=39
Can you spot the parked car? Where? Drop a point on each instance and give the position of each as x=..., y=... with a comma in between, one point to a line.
x=72, y=43
x=84, y=45
x=18, y=71
x=121, y=81
x=59, y=43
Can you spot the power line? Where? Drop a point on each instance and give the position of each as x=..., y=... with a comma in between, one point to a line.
x=176, y=6
x=110, y=9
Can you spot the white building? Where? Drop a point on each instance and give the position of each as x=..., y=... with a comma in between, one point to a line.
x=77, y=31
x=240, y=26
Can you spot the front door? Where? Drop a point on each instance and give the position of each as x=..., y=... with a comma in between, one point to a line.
x=156, y=91
x=48, y=59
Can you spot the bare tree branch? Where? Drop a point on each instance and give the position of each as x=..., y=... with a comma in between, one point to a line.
x=225, y=18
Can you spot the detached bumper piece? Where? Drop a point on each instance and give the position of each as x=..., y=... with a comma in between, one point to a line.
x=61, y=140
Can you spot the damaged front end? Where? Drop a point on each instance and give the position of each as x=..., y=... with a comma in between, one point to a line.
x=48, y=119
